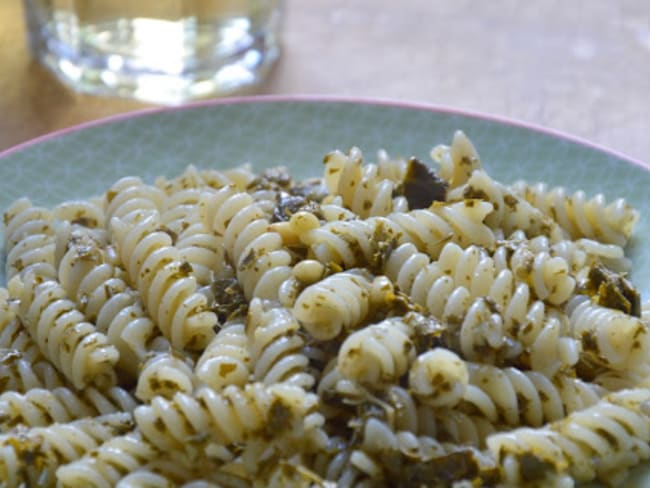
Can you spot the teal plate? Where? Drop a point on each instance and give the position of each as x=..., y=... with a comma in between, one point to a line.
x=296, y=132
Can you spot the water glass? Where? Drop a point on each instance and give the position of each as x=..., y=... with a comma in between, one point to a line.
x=160, y=51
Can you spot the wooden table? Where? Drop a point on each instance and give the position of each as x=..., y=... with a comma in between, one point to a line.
x=578, y=66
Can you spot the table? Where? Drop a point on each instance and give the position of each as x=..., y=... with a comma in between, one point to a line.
x=582, y=67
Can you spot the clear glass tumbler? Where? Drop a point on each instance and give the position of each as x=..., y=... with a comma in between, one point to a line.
x=160, y=51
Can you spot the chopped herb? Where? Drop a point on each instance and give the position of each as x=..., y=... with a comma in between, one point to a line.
x=229, y=299
x=421, y=186
x=612, y=290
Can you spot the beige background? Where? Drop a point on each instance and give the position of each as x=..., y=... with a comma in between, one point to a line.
x=580, y=66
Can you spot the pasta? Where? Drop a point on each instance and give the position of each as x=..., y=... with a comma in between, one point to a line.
x=363, y=189
x=29, y=237
x=384, y=324
x=226, y=359
x=155, y=267
x=33, y=455
x=594, y=218
x=83, y=354
x=227, y=417
x=22, y=366
x=598, y=442
x=276, y=347
x=41, y=407
x=376, y=355
x=340, y=301
x=109, y=462
x=257, y=254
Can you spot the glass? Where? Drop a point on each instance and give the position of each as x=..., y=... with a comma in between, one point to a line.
x=160, y=51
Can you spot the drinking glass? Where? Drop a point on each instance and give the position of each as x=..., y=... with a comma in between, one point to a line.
x=160, y=51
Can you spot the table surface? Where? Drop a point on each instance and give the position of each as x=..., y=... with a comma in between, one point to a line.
x=581, y=67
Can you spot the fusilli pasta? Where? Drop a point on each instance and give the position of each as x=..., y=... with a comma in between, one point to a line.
x=380, y=325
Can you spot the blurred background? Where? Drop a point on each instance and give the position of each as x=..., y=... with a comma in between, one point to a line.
x=580, y=66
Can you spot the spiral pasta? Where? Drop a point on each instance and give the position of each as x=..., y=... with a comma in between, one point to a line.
x=202, y=250
x=362, y=188
x=193, y=177
x=599, y=442
x=354, y=243
x=376, y=355
x=490, y=297
x=340, y=301
x=510, y=212
x=402, y=448
x=40, y=407
x=381, y=325
x=129, y=196
x=439, y=377
x=276, y=347
x=256, y=252
x=527, y=397
x=164, y=374
x=610, y=338
x=228, y=417
x=226, y=360
x=22, y=366
x=457, y=161
x=73, y=345
x=143, y=478
x=167, y=288
x=28, y=236
x=109, y=462
x=33, y=455
x=595, y=218
x=102, y=295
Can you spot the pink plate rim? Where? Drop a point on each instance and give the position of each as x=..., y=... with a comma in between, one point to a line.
x=406, y=104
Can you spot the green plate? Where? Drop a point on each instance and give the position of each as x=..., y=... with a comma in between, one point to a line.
x=297, y=132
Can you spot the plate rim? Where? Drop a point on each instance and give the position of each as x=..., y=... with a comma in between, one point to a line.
x=343, y=99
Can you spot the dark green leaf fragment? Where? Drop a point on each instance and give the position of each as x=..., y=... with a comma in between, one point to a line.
x=612, y=290
x=229, y=299
x=421, y=186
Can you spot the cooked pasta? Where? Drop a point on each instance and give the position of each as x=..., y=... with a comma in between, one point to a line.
x=383, y=324
x=404, y=458
x=100, y=292
x=352, y=243
x=511, y=213
x=75, y=347
x=275, y=346
x=610, y=338
x=611, y=223
x=230, y=416
x=597, y=442
x=362, y=188
x=226, y=360
x=167, y=288
x=493, y=298
x=193, y=177
x=33, y=455
x=526, y=397
x=28, y=236
x=106, y=464
x=439, y=377
x=202, y=250
x=340, y=301
x=257, y=253
x=376, y=355
x=41, y=407
x=164, y=374
x=22, y=366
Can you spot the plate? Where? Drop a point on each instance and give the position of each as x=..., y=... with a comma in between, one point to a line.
x=297, y=132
